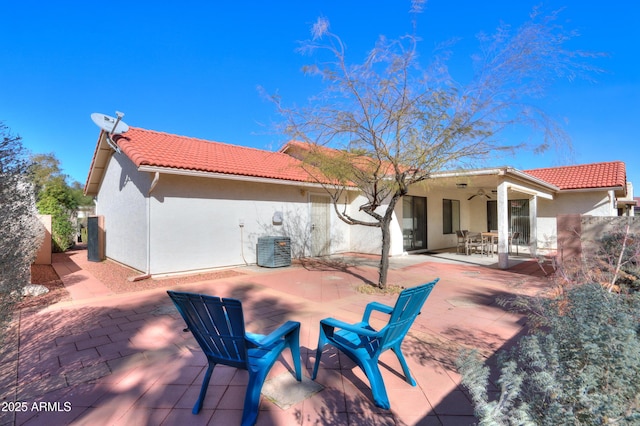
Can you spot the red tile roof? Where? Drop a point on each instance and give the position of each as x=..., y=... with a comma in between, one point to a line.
x=585, y=176
x=151, y=148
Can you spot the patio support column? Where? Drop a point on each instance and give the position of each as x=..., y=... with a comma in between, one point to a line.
x=533, y=225
x=503, y=225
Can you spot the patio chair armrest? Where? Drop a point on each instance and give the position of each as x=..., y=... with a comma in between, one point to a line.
x=329, y=324
x=375, y=306
x=281, y=332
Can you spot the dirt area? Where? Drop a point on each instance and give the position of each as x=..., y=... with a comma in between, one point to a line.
x=117, y=277
x=113, y=275
x=45, y=275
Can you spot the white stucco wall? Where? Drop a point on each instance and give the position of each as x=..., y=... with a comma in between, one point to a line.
x=364, y=239
x=121, y=200
x=473, y=216
x=196, y=222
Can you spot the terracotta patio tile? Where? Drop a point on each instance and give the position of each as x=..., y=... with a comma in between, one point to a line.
x=226, y=417
x=112, y=348
x=166, y=366
x=144, y=416
x=87, y=374
x=233, y=398
x=132, y=325
x=181, y=375
x=92, y=342
x=51, y=415
x=456, y=403
x=183, y=416
x=120, y=336
x=103, y=331
x=211, y=399
x=70, y=358
x=162, y=396
x=364, y=419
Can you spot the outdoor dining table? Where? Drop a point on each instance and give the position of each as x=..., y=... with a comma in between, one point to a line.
x=492, y=237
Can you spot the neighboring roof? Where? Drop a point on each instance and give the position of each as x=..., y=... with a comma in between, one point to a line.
x=586, y=176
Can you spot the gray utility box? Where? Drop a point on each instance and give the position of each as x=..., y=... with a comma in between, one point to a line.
x=274, y=252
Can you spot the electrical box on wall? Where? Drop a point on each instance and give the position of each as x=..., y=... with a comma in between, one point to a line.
x=277, y=218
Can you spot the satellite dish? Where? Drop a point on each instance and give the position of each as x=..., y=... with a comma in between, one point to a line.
x=113, y=126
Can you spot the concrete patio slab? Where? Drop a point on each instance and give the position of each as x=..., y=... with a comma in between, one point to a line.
x=285, y=391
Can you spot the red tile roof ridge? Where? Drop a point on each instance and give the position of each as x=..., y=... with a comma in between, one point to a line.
x=166, y=150
x=608, y=174
x=574, y=165
x=195, y=138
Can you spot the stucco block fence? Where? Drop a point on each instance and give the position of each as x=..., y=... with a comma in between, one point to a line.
x=578, y=234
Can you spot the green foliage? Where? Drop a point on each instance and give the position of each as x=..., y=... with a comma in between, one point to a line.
x=57, y=198
x=21, y=232
x=79, y=198
x=62, y=229
x=581, y=368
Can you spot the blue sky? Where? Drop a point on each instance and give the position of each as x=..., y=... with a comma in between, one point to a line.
x=193, y=67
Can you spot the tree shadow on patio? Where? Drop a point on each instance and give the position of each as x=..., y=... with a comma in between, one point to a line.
x=328, y=264
x=131, y=362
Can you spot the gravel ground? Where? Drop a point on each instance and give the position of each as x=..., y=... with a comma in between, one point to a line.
x=116, y=276
x=111, y=274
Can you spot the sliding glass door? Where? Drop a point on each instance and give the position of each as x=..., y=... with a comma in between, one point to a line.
x=414, y=223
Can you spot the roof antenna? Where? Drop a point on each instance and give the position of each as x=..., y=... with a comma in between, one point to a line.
x=113, y=126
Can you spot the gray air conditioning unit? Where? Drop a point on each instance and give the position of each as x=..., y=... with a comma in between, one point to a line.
x=274, y=252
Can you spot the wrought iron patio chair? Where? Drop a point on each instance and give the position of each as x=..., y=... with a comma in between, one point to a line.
x=218, y=326
x=364, y=344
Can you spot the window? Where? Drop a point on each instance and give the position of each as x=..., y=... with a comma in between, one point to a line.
x=450, y=216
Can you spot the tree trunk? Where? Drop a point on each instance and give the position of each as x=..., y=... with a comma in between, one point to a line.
x=385, y=227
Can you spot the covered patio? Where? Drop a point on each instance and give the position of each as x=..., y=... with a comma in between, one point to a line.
x=499, y=202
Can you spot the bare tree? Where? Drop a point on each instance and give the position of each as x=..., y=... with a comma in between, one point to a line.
x=388, y=123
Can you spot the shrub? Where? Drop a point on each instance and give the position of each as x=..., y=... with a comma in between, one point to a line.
x=582, y=367
x=21, y=232
x=62, y=230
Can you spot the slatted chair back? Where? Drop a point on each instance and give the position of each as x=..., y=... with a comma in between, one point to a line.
x=217, y=325
x=405, y=311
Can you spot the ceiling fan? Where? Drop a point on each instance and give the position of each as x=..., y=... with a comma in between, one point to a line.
x=480, y=193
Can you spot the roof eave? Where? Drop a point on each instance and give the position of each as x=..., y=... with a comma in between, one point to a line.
x=497, y=171
x=99, y=161
x=228, y=176
x=599, y=188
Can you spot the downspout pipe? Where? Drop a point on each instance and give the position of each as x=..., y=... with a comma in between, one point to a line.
x=147, y=273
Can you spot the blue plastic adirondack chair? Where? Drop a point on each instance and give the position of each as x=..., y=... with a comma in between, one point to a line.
x=364, y=344
x=218, y=326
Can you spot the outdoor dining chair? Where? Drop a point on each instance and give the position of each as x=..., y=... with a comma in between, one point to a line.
x=364, y=344
x=218, y=326
x=461, y=246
